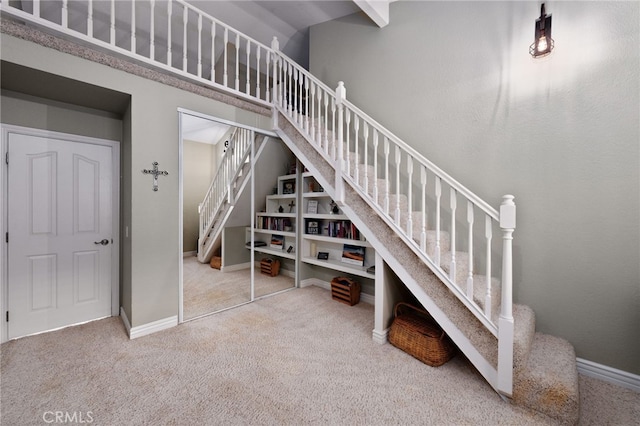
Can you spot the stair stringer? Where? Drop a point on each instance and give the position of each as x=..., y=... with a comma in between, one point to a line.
x=477, y=343
x=216, y=236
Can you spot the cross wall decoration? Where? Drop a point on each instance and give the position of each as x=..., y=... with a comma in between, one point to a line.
x=155, y=172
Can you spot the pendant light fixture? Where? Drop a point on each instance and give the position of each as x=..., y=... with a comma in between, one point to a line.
x=543, y=43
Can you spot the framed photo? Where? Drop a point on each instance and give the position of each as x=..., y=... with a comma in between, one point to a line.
x=289, y=187
x=277, y=242
x=312, y=207
x=323, y=255
x=353, y=255
x=312, y=227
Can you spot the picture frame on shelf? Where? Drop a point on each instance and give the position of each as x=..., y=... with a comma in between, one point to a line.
x=323, y=255
x=312, y=207
x=289, y=187
x=353, y=255
x=277, y=242
x=313, y=227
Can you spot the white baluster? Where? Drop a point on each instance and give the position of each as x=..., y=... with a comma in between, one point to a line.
x=423, y=233
x=36, y=9
x=274, y=46
x=112, y=29
x=133, y=26
x=438, y=194
x=319, y=121
x=185, y=20
x=213, y=51
x=365, y=132
x=267, y=96
x=488, y=235
x=237, y=46
x=453, y=205
x=470, y=237
x=169, y=14
x=347, y=151
x=289, y=78
x=386, y=175
x=259, y=49
x=225, y=49
x=152, y=31
x=333, y=127
x=89, y=15
x=398, y=159
x=65, y=14
x=306, y=104
x=294, y=100
x=375, y=163
x=248, y=85
x=341, y=95
x=409, y=197
x=199, y=69
x=326, y=123
x=356, y=158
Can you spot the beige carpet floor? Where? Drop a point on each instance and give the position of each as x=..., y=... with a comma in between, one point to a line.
x=295, y=358
x=207, y=290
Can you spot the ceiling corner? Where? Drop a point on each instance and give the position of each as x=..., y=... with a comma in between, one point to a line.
x=376, y=10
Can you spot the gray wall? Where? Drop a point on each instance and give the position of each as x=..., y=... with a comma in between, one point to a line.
x=152, y=251
x=455, y=80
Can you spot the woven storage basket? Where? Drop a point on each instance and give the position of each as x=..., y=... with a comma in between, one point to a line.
x=415, y=332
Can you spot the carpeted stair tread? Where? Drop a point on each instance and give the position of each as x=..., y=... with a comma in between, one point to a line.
x=548, y=382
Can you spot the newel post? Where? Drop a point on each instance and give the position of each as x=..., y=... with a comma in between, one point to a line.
x=505, y=322
x=341, y=96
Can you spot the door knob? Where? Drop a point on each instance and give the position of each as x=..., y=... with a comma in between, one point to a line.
x=104, y=242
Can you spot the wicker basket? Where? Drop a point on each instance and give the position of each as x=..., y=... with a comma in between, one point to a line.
x=415, y=332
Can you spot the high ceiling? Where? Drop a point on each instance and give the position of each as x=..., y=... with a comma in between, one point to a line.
x=288, y=20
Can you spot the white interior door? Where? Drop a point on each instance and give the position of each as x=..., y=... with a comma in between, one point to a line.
x=59, y=214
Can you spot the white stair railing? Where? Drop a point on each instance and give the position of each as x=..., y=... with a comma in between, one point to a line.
x=170, y=35
x=409, y=192
x=221, y=191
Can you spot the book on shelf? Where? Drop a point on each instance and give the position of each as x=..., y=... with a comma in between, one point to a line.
x=312, y=207
x=277, y=242
x=353, y=255
x=256, y=244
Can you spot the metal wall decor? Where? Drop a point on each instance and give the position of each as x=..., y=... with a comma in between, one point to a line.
x=155, y=172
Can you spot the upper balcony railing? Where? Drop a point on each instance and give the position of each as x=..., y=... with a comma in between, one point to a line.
x=416, y=198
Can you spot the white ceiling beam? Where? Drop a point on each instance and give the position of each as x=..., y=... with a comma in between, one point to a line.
x=377, y=10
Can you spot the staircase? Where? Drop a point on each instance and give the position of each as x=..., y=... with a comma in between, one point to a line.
x=226, y=187
x=451, y=249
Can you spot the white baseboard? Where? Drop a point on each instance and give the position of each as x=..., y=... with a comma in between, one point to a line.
x=608, y=374
x=152, y=327
x=286, y=272
x=365, y=298
x=189, y=253
x=237, y=267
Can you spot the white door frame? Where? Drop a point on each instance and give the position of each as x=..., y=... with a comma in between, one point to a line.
x=4, y=253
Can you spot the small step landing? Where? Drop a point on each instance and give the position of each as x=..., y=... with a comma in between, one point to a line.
x=548, y=382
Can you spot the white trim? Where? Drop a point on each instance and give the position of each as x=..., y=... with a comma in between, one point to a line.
x=153, y=327
x=380, y=337
x=608, y=374
x=189, y=253
x=6, y=129
x=364, y=297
